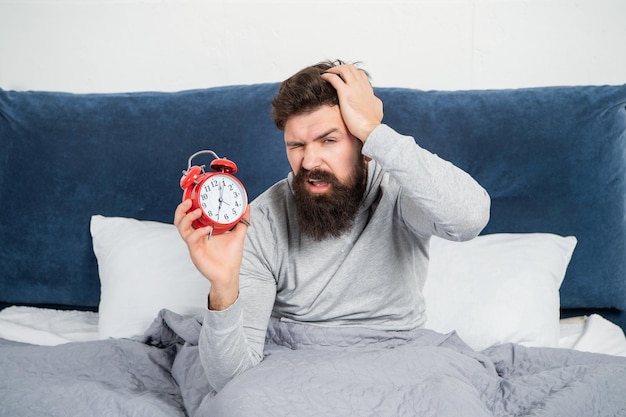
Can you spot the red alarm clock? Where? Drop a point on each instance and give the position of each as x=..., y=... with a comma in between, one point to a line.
x=220, y=195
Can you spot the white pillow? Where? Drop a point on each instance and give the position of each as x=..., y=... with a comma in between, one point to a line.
x=144, y=266
x=498, y=288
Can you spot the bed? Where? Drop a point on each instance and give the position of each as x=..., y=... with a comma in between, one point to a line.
x=101, y=305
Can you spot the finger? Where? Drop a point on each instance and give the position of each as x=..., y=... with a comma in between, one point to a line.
x=197, y=240
x=334, y=79
x=185, y=225
x=181, y=211
x=347, y=73
x=199, y=235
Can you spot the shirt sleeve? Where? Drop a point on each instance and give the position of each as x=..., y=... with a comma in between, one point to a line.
x=437, y=197
x=232, y=340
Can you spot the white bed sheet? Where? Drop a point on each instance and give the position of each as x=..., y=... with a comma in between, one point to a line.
x=592, y=333
x=51, y=327
x=47, y=327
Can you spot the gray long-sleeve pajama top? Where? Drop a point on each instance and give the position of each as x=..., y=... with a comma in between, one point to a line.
x=372, y=276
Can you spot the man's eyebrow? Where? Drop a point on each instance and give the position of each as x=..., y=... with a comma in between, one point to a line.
x=326, y=134
x=294, y=142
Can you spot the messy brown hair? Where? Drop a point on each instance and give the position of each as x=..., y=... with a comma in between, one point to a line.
x=303, y=92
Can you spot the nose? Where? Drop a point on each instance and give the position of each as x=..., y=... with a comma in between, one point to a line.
x=311, y=158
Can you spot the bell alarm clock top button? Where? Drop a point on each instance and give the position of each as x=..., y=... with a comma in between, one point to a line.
x=224, y=165
x=190, y=176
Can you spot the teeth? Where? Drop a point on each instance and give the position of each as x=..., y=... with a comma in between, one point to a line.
x=317, y=183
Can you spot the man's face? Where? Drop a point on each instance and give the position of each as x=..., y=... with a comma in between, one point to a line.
x=320, y=140
x=330, y=171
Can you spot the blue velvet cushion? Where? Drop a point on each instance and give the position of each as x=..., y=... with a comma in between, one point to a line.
x=551, y=158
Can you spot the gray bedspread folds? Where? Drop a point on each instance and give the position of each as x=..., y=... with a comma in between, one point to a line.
x=309, y=371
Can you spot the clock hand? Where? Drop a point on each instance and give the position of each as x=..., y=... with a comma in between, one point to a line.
x=220, y=200
x=222, y=196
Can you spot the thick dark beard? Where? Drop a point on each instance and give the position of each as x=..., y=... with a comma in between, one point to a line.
x=329, y=214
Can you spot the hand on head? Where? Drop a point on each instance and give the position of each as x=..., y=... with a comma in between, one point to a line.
x=361, y=110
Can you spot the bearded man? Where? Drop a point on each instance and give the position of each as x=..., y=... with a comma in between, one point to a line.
x=343, y=241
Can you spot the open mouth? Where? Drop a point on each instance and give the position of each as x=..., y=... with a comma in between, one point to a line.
x=317, y=183
x=317, y=186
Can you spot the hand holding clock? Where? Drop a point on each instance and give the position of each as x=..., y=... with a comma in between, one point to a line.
x=214, y=237
x=218, y=258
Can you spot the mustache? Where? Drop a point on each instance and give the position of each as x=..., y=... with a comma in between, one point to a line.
x=305, y=175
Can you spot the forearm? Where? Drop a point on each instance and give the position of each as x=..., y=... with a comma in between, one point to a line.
x=232, y=340
x=457, y=206
x=224, y=349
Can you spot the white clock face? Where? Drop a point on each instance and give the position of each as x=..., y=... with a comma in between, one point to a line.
x=222, y=198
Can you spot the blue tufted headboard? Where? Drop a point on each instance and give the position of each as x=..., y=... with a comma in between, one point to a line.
x=64, y=157
x=553, y=160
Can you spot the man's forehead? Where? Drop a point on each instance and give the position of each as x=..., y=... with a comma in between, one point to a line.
x=314, y=125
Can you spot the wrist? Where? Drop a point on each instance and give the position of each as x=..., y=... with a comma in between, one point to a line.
x=220, y=298
x=218, y=303
x=366, y=131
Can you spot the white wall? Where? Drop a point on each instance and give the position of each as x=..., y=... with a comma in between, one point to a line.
x=134, y=45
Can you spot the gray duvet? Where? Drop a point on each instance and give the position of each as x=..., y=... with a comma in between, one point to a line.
x=308, y=371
